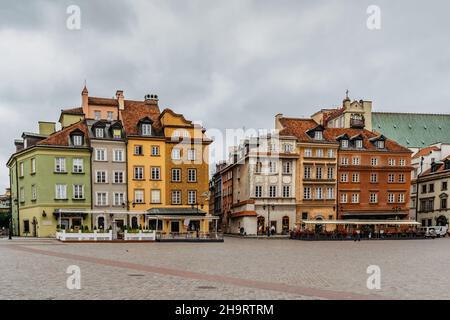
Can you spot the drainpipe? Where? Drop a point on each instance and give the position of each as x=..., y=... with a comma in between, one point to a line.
x=17, y=199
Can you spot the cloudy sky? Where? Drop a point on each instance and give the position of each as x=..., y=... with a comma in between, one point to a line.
x=231, y=64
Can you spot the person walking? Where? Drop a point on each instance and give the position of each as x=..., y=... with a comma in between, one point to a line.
x=358, y=235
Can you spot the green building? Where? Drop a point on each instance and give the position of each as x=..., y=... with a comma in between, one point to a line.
x=50, y=177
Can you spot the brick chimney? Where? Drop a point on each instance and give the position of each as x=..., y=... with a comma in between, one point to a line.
x=84, y=101
x=120, y=98
x=151, y=99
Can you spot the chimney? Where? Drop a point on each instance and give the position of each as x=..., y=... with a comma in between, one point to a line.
x=278, y=125
x=151, y=99
x=19, y=144
x=120, y=99
x=46, y=128
x=84, y=101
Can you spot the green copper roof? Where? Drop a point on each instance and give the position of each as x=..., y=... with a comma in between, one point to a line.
x=413, y=129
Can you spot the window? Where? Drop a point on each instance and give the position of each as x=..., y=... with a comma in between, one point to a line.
x=26, y=226
x=99, y=133
x=424, y=188
x=78, y=191
x=330, y=173
x=77, y=140
x=343, y=198
x=192, y=197
x=119, y=177
x=97, y=115
x=431, y=187
x=191, y=154
x=344, y=143
x=391, y=198
x=118, y=199
x=380, y=144
x=138, y=150
x=355, y=177
x=139, y=196
x=373, y=178
x=344, y=177
x=258, y=191
x=22, y=194
x=176, y=175
x=272, y=167
x=307, y=173
x=356, y=161
x=287, y=148
x=60, y=164
x=401, y=198
x=319, y=193
x=402, y=162
x=374, y=162
x=138, y=173
x=101, y=199
x=286, y=191
x=330, y=153
x=344, y=161
x=33, y=192
x=359, y=144
x=192, y=175
x=176, y=154
x=155, y=173
x=444, y=186
x=77, y=165
x=319, y=153
x=272, y=147
x=391, y=162
x=308, y=153
x=109, y=115
x=355, y=197
x=156, y=196
x=319, y=171
x=287, y=167
x=155, y=151
x=272, y=191
x=33, y=165
x=146, y=129
x=401, y=178
x=373, y=198
x=176, y=197
x=117, y=134
x=21, y=169
x=444, y=203
x=100, y=177
x=330, y=193
x=307, y=193
x=318, y=135
x=258, y=167
x=100, y=155
x=118, y=155
x=61, y=191
x=391, y=177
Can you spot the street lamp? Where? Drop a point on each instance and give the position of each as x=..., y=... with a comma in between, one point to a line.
x=268, y=217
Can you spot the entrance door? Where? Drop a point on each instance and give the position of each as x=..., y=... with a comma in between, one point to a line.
x=274, y=225
x=34, y=223
x=65, y=224
x=175, y=226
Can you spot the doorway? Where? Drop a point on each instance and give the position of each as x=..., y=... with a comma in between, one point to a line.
x=175, y=226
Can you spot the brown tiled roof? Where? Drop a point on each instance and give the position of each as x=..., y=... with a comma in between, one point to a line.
x=78, y=110
x=103, y=101
x=425, y=151
x=440, y=169
x=61, y=138
x=299, y=127
x=329, y=115
x=137, y=110
x=244, y=214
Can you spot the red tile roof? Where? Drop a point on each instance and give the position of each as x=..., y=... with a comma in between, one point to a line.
x=439, y=169
x=137, y=110
x=425, y=151
x=298, y=127
x=61, y=138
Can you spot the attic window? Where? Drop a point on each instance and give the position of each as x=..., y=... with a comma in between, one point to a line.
x=99, y=133
x=359, y=144
x=379, y=144
x=146, y=129
x=318, y=135
x=447, y=165
x=77, y=140
x=344, y=143
x=117, y=134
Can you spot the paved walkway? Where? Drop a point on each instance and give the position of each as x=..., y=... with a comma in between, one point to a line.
x=236, y=269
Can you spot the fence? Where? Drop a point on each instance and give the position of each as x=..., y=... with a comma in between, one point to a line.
x=140, y=236
x=93, y=236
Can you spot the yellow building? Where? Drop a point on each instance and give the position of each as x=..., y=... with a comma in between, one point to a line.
x=167, y=169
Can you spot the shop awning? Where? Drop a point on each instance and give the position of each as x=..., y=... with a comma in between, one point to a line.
x=364, y=222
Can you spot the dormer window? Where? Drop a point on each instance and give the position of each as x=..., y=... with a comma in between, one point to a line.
x=447, y=164
x=117, y=134
x=146, y=129
x=318, y=135
x=99, y=133
x=344, y=143
x=358, y=144
x=380, y=144
x=77, y=140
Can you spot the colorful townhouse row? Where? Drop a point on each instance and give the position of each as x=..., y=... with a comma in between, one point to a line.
x=336, y=165
x=114, y=163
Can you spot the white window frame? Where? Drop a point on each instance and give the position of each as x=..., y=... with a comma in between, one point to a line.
x=139, y=196
x=155, y=173
x=61, y=191
x=176, y=154
x=176, y=196
x=153, y=197
x=77, y=193
x=258, y=191
x=191, y=154
x=77, y=165
x=272, y=191
x=136, y=170
x=118, y=155
x=116, y=174
x=97, y=172
x=192, y=196
x=101, y=151
x=118, y=199
x=60, y=164
x=97, y=198
x=192, y=175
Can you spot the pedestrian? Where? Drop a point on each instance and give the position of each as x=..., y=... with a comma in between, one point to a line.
x=358, y=235
x=272, y=230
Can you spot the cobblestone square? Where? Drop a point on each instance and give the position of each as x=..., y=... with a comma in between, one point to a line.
x=235, y=269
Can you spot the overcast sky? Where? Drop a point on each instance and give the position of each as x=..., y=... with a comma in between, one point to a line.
x=231, y=64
